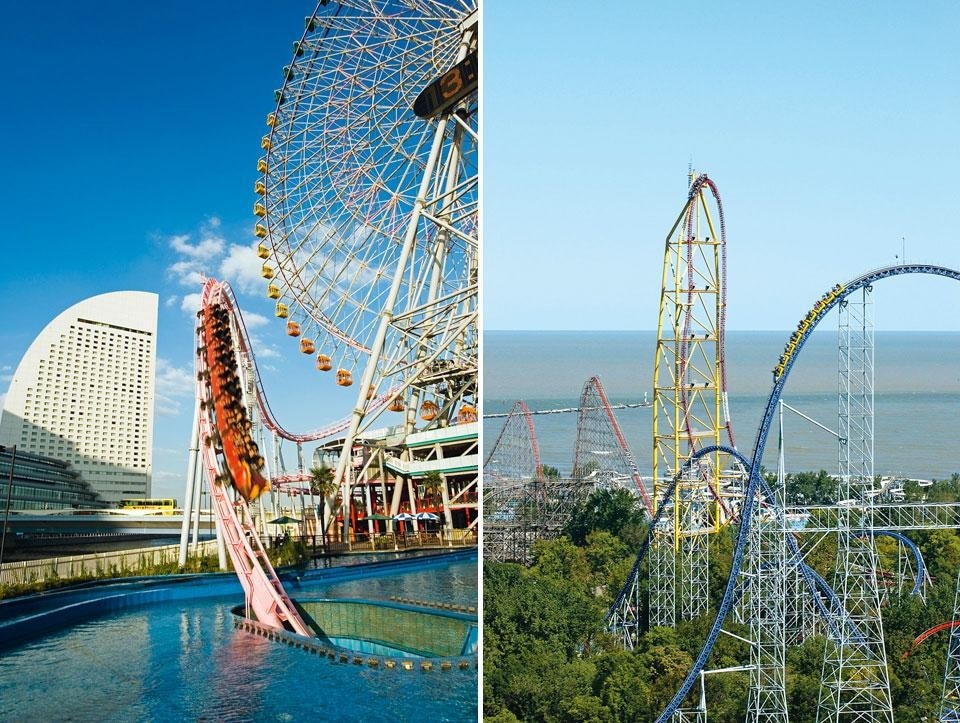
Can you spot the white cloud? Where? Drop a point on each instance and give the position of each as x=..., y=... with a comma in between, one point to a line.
x=191, y=303
x=253, y=320
x=208, y=253
x=242, y=267
x=195, y=260
x=263, y=350
x=207, y=248
x=173, y=385
x=187, y=273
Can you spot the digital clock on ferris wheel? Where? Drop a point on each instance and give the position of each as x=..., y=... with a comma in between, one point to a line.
x=449, y=89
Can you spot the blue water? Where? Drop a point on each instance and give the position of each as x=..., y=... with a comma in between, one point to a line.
x=371, y=648
x=917, y=403
x=183, y=660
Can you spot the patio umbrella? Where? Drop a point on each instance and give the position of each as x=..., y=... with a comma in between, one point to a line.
x=428, y=516
x=284, y=520
x=404, y=517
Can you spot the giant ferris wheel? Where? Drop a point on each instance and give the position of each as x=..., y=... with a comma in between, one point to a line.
x=367, y=206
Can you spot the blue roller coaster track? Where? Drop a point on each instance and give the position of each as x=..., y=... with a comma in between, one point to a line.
x=781, y=374
x=917, y=557
x=832, y=615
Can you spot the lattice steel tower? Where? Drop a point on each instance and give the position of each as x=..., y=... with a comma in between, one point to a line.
x=765, y=580
x=766, y=699
x=950, y=700
x=512, y=484
x=689, y=405
x=856, y=682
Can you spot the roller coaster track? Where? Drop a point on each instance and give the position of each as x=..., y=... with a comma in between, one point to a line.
x=624, y=614
x=269, y=420
x=230, y=457
x=677, y=353
x=615, y=615
x=926, y=634
x=917, y=556
x=781, y=375
x=701, y=181
x=594, y=432
x=506, y=438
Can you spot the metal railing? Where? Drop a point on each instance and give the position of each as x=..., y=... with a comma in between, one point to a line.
x=393, y=541
x=899, y=517
x=107, y=564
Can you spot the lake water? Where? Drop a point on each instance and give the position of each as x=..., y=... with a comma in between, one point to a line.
x=917, y=393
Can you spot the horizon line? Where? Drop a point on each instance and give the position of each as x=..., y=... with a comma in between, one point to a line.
x=752, y=331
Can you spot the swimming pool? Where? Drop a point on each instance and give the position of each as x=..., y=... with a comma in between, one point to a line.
x=175, y=655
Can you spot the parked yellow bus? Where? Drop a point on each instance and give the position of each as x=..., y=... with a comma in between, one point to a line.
x=151, y=506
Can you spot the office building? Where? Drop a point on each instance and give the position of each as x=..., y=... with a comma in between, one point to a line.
x=84, y=393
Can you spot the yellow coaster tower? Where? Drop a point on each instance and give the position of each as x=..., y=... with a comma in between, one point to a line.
x=690, y=408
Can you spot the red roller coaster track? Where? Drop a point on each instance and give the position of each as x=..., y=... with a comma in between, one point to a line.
x=522, y=453
x=929, y=634
x=590, y=434
x=694, y=193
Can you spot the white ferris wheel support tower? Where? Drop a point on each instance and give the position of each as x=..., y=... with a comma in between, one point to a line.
x=436, y=174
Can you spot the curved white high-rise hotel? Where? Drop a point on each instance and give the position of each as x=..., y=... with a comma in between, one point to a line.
x=83, y=393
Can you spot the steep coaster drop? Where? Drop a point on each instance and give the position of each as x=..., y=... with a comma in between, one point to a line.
x=781, y=374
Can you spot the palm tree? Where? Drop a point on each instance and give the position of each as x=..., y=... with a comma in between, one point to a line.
x=433, y=486
x=321, y=483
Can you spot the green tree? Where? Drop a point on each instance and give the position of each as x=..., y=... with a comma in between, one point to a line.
x=548, y=472
x=610, y=510
x=538, y=629
x=610, y=561
x=585, y=709
x=322, y=483
x=433, y=487
x=941, y=552
x=542, y=686
x=811, y=488
x=560, y=559
x=624, y=687
x=668, y=666
x=804, y=665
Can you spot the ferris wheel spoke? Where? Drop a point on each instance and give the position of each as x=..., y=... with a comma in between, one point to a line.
x=373, y=274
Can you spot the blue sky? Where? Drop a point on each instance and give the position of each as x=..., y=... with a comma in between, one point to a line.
x=830, y=128
x=132, y=134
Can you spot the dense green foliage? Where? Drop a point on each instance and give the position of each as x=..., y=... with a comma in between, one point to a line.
x=548, y=658
x=614, y=511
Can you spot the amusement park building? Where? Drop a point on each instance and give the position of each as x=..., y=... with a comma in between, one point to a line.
x=42, y=483
x=391, y=466
x=83, y=393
